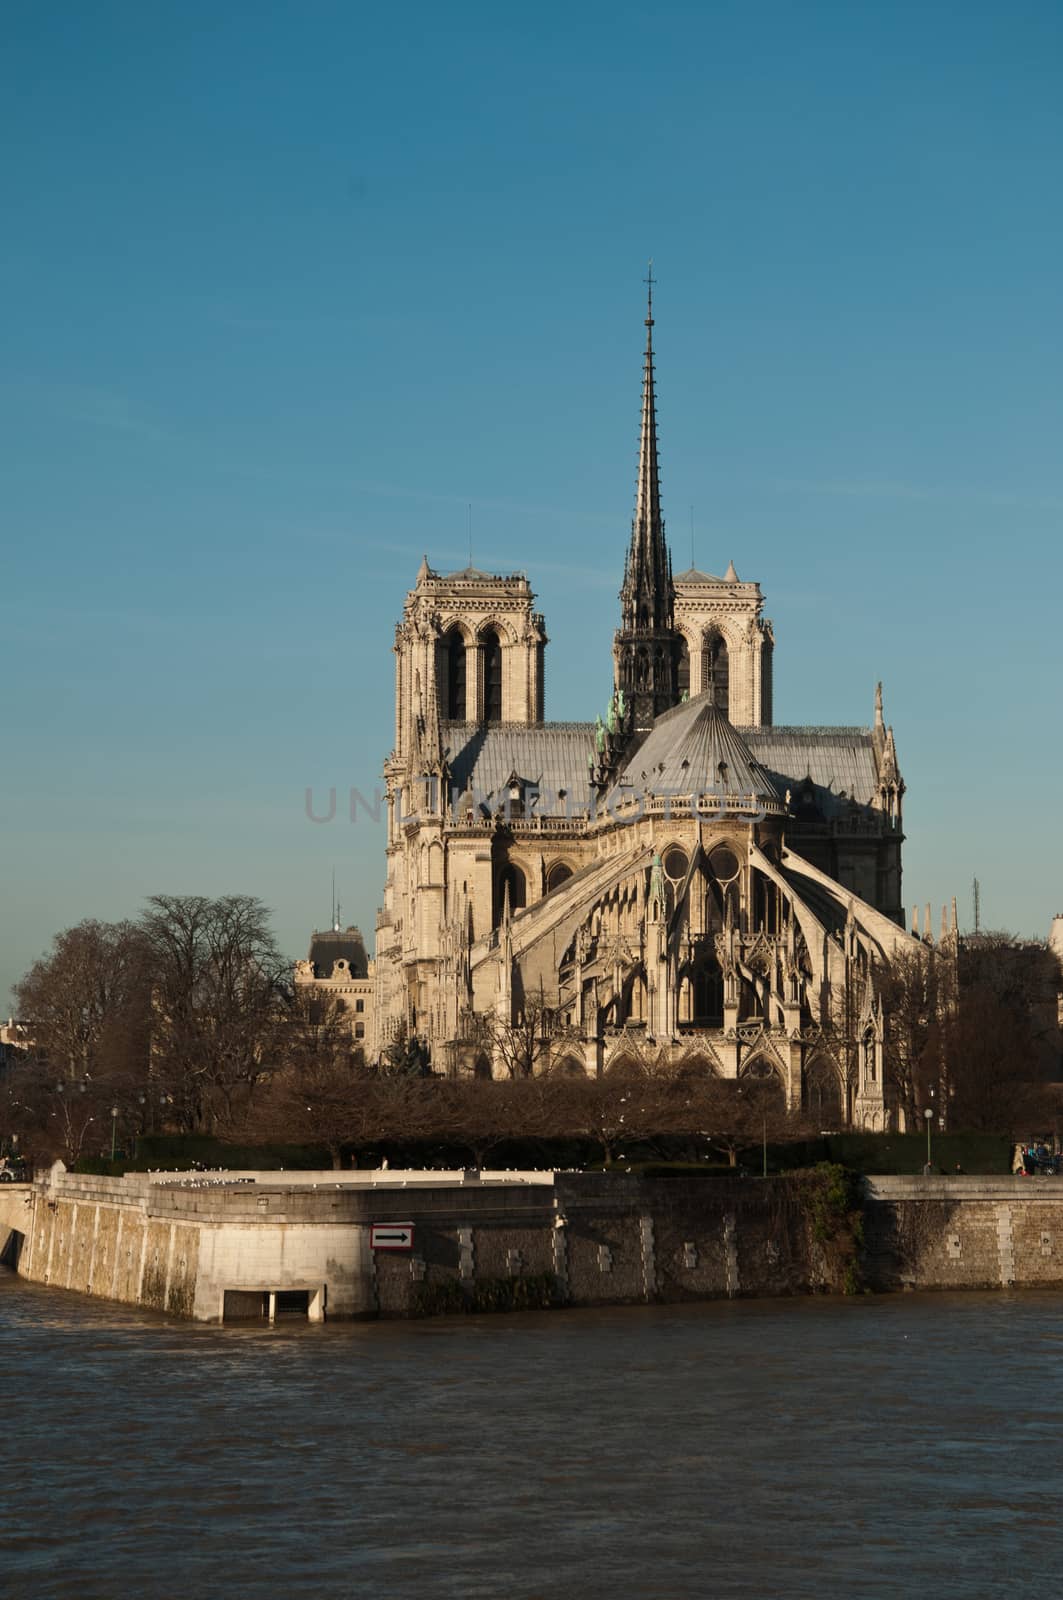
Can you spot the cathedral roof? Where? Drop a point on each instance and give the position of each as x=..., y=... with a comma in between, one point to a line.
x=839, y=763
x=692, y=748
x=428, y=577
x=473, y=574
x=550, y=755
x=694, y=575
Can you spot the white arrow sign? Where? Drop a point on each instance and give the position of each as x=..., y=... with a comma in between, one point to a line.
x=391, y=1236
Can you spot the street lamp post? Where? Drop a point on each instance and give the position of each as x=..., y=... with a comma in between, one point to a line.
x=114, y=1128
x=929, y=1115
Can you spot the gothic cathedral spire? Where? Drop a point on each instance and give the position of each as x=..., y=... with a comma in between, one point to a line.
x=646, y=646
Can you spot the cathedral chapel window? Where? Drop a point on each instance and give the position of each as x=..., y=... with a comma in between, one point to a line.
x=675, y=863
x=724, y=863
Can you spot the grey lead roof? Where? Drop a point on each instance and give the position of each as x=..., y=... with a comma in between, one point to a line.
x=693, y=748
x=840, y=761
x=550, y=755
x=553, y=756
x=474, y=574
x=693, y=575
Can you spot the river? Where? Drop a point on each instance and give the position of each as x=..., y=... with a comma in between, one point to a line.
x=869, y=1447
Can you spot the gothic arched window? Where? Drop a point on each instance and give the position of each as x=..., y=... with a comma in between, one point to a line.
x=706, y=995
x=821, y=1092
x=682, y=680
x=558, y=874
x=714, y=673
x=492, y=650
x=453, y=676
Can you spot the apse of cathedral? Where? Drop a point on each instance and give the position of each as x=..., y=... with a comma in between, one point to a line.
x=677, y=882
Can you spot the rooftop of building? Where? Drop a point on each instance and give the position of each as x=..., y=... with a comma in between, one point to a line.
x=338, y=944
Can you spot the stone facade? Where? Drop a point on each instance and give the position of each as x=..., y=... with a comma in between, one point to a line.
x=677, y=880
x=338, y=968
x=727, y=644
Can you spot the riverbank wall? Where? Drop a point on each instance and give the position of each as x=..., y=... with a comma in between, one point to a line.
x=217, y=1247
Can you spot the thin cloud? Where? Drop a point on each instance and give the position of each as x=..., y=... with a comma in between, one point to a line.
x=267, y=324
x=891, y=489
x=90, y=405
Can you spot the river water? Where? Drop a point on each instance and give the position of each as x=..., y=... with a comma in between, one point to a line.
x=882, y=1446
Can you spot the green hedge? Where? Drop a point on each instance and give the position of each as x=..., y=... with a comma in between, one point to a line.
x=886, y=1153
x=983, y=1154
x=101, y=1167
x=170, y=1152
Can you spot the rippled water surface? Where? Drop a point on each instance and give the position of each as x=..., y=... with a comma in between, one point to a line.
x=904, y=1446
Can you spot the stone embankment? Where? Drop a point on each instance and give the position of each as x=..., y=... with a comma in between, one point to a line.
x=218, y=1246
x=964, y=1233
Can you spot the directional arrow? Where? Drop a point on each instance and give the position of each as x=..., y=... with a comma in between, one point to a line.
x=391, y=1236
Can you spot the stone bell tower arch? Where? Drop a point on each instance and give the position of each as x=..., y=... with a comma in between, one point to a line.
x=727, y=644
x=473, y=645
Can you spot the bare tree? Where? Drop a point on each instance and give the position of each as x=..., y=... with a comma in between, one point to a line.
x=86, y=1002
x=342, y=1106
x=406, y=1055
x=614, y=1111
x=1023, y=978
x=53, y=1115
x=991, y=1069
x=481, y=1115
x=218, y=987
x=914, y=993
x=527, y=1045
x=732, y=1116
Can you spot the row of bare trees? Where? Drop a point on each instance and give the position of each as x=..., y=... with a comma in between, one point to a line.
x=343, y=1111
x=185, y=1021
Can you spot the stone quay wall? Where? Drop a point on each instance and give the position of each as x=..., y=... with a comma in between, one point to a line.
x=964, y=1233
x=223, y=1246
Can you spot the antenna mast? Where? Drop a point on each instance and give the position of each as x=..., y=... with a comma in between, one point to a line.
x=977, y=906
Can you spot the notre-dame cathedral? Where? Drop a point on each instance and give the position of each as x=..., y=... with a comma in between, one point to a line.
x=676, y=882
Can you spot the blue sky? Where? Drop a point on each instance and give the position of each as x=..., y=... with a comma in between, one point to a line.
x=286, y=287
